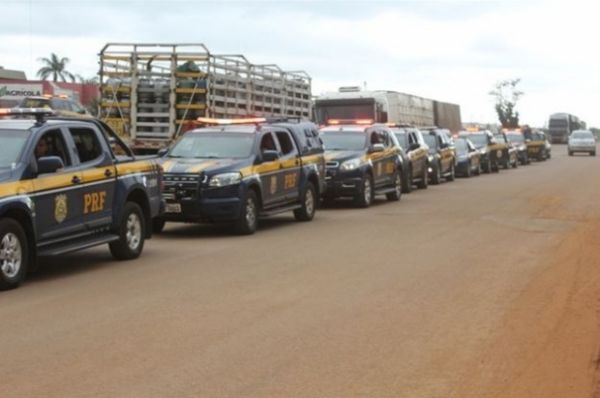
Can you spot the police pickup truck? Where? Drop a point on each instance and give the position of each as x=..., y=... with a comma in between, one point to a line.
x=363, y=160
x=237, y=170
x=63, y=188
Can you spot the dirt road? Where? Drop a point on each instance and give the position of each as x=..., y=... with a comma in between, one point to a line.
x=487, y=287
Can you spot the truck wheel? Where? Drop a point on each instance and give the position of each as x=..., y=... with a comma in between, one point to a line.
x=158, y=224
x=407, y=181
x=469, y=172
x=309, y=201
x=570, y=153
x=424, y=178
x=365, y=195
x=14, y=254
x=132, y=233
x=506, y=163
x=397, y=194
x=436, y=178
x=248, y=221
x=452, y=174
x=593, y=153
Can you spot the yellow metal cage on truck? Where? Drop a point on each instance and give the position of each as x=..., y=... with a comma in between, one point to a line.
x=151, y=93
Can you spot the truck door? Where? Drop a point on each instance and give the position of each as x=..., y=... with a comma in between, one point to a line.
x=290, y=167
x=58, y=196
x=269, y=171
x=378, y=159
x=99, y=176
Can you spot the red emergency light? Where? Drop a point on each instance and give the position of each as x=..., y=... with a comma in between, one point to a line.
x=350, y=121
x=212, y=121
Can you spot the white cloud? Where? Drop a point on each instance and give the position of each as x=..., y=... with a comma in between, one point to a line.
x=450, y=50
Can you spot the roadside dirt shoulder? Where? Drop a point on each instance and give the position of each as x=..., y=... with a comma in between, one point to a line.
x=548, y=344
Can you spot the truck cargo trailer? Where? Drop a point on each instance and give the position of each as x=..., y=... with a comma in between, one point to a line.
x=151, y=93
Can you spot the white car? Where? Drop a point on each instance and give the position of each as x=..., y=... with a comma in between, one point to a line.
x=582, y=141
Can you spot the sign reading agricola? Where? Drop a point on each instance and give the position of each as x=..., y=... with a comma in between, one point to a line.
x=18, y=91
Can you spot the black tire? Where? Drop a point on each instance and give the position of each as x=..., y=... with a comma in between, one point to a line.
x=570, y=153
x=309, y=204
x=407, y=181
x=14, y=240
x=506, y=162
x=487, y=167
x=398, y=182
x=452, y=174
x=131, y=231
x=424, y=182
x=468, y=173
x=158, y=224
x=593, y=153
x=248, y=220
x=436, y=177
x=366, y=192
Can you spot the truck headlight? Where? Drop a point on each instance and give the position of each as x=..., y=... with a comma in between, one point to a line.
x=349, y=165
x=222, y=180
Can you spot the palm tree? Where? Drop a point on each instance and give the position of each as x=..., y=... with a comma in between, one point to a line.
x=56, y=67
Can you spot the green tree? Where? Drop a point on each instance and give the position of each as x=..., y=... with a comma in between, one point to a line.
x=86, y=80
x=507, y=95
x=55, y=67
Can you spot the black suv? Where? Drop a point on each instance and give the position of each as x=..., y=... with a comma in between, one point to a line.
x=415, y=155
x=442, y=158
x=235, y=171
x=363, y=160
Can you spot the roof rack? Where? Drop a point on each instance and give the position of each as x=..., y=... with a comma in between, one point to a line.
x=39, y=113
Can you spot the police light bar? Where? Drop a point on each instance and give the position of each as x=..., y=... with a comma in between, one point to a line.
x=349, y=121
x=252, y=120
x=25, y=111
x=392, y=124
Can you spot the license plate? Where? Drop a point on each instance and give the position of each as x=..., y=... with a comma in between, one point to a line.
x=173, y=208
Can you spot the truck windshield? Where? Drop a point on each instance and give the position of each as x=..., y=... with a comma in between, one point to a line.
x=461, y=147
x=213, y=146
x=344, y=141
x=518, y=138
x=479, y=140
x=11, y=146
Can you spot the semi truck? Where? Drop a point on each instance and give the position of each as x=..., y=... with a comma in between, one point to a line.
x=386, y=107
x=152, y=93
x=561, y=125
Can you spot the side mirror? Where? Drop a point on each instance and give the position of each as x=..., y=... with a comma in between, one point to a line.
x=413, y=146
x=49, y=164
x=270, y=155
x=162, y=152
x=376, y=148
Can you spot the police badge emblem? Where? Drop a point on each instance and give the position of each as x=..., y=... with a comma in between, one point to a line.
x=60, y=208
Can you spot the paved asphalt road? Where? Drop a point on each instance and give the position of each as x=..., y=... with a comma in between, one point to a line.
x=398, y=300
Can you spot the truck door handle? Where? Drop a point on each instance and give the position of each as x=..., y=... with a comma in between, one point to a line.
x=107, y=172
x=75, y=180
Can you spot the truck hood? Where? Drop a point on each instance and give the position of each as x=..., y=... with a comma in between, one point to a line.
x=210, y=166
x=340, y=156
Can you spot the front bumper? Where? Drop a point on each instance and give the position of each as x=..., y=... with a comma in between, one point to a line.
x=210, y=205
x=582, y=148
x=343, y=184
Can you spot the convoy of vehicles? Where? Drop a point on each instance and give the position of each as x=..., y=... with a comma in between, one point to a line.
x=561, y=125
x=582, y=141
x=238, y=171
x=363, y=160
x=70, y=183
x=63, y=188
x=61, y=105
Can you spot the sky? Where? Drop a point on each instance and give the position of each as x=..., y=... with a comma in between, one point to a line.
x=452, y=51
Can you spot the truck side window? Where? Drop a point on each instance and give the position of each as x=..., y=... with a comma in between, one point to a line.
x=286, y=144
x=87, y=144
x=52, y=143
x=267, y=143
